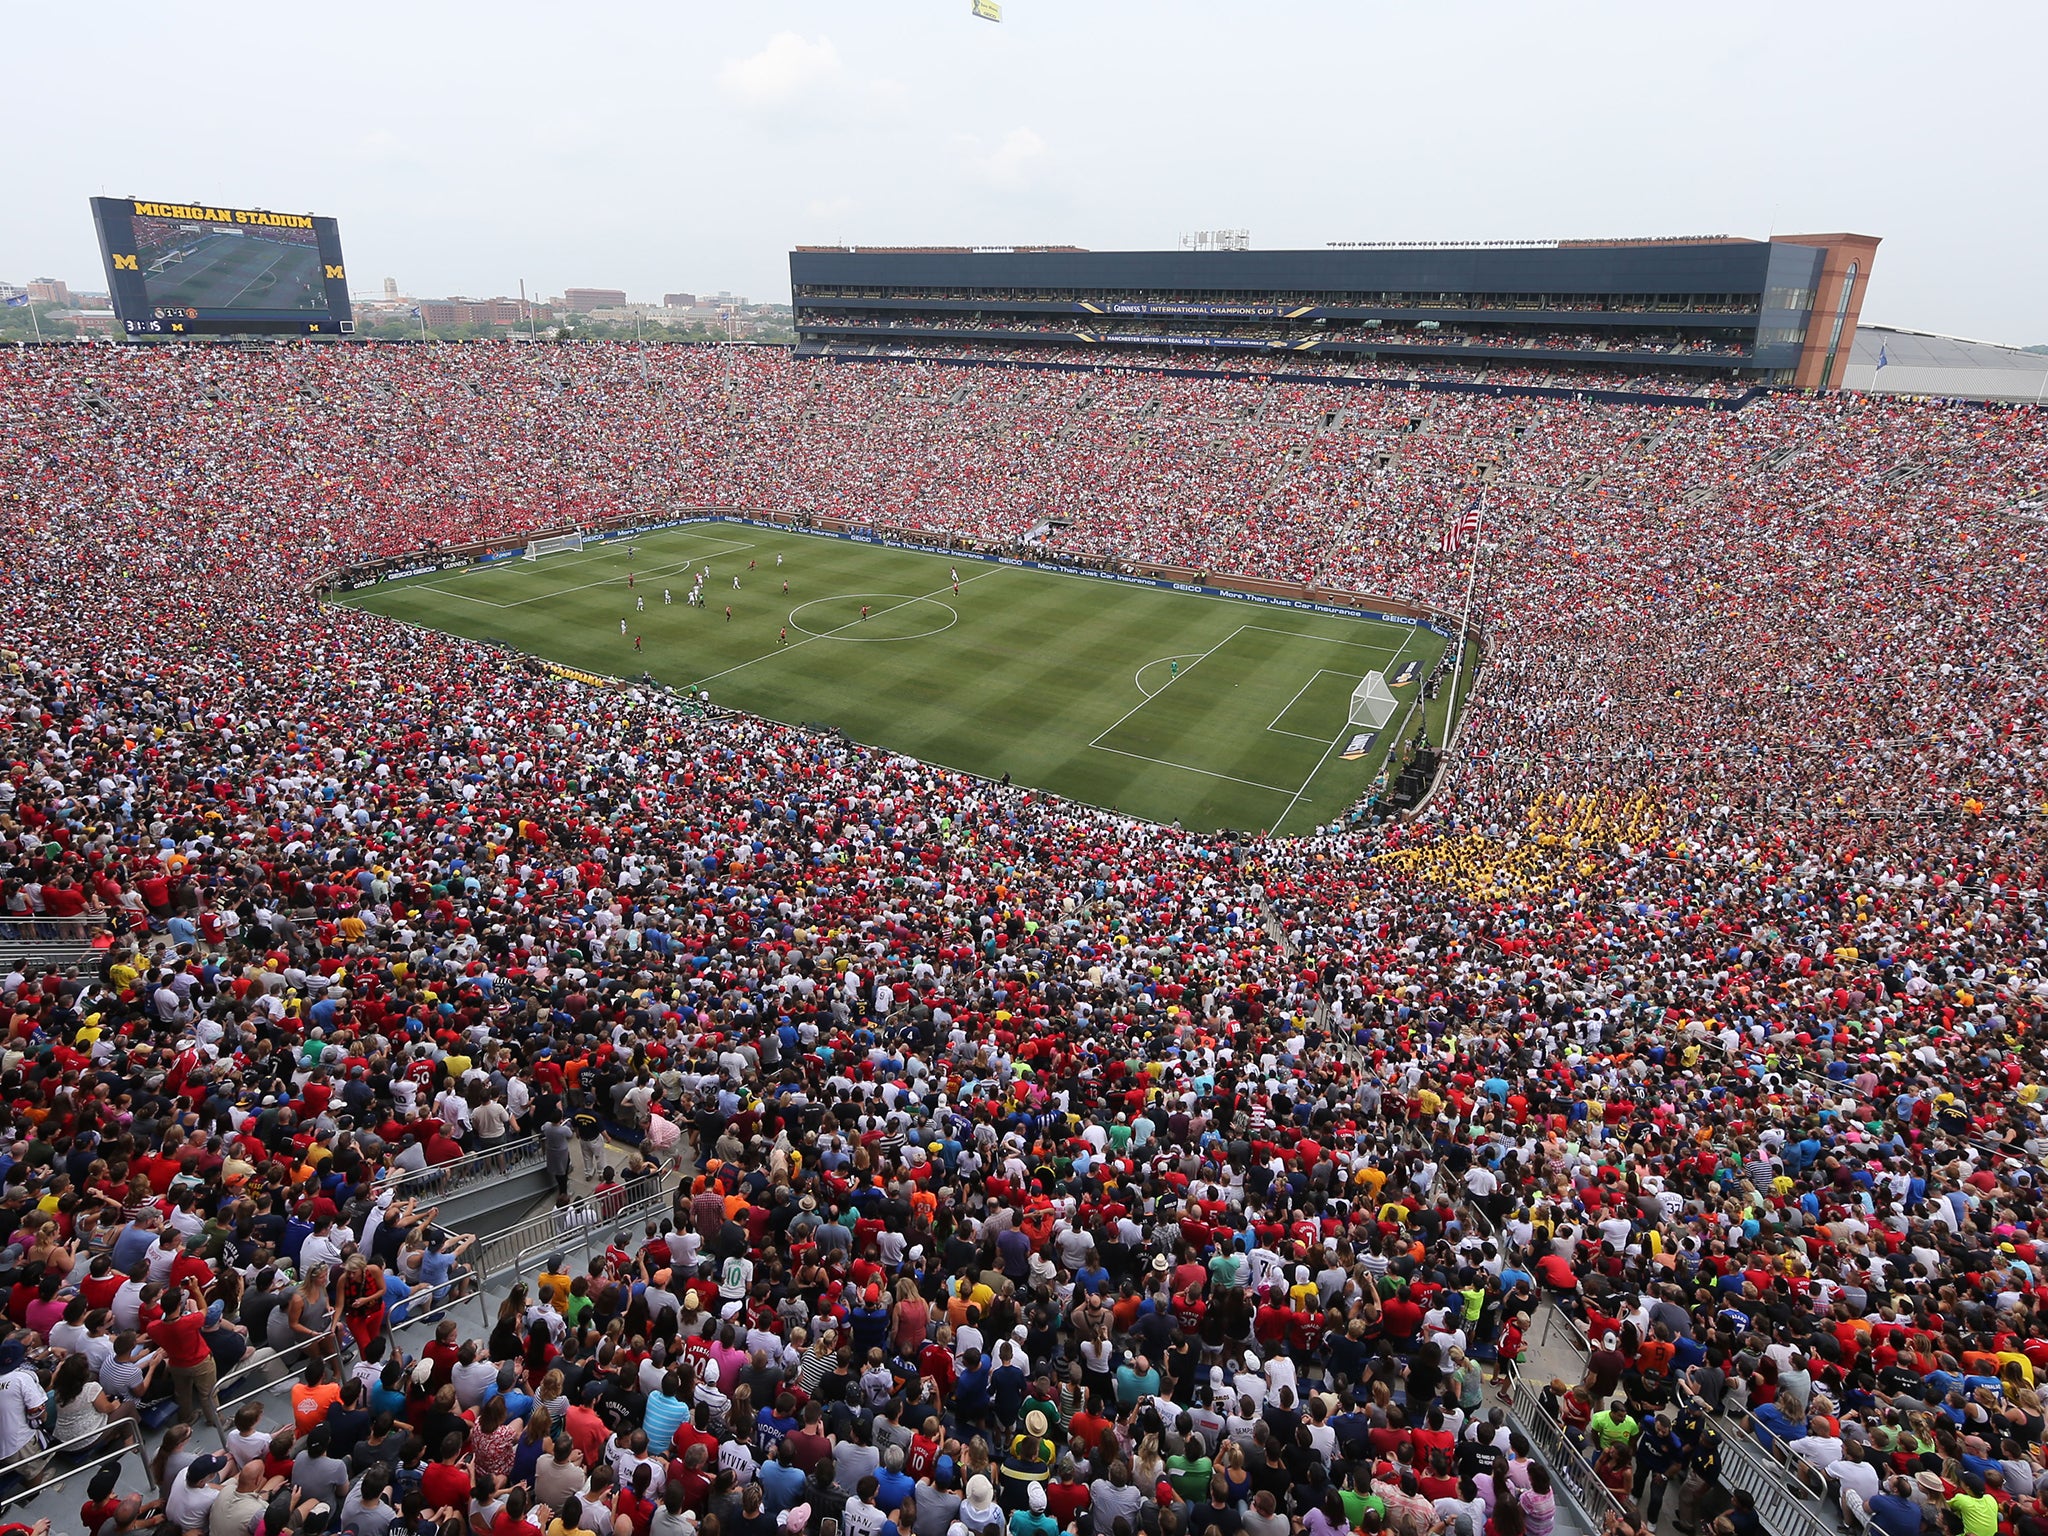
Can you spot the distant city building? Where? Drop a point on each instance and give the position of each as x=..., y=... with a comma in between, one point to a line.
x=11, y=291
x=391, y=290
x=101, y=320
x=498, y=311
x=49, y=290
x=581, y=301
x=679, y=301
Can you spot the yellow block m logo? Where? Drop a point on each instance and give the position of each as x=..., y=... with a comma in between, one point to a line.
x=334, y=272
x=125, y=264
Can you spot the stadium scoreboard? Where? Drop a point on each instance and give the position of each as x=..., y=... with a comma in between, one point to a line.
x=191, y=269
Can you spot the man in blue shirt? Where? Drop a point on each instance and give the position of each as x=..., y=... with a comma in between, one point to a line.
x=893, y=1486
x=135, y=1241
x=437, y=1264
x=665, y=1414
x=1893, y=1512
x=782, y=1483
x=1135, y=1380
x=970, y=1389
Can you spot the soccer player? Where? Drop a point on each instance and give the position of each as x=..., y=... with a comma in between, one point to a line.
x=636, y=642
x=728, y=613
x=735, y=580
x=783, y=638
x=751, y=564
x=640, y=604
x=1173, y=670
x=629, y=581
x=785, y=588
x=622, y=626
x=955, y=571
x=667, y=596
x=778, y=557
x=863, y=610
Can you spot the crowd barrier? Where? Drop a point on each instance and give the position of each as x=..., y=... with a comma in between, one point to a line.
x=438, y=1180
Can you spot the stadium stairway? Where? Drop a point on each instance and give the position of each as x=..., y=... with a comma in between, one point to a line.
x=61, y=942
x=1556, y=1349
x=486, y=1192
x=512, y=1254
x=496, y=1186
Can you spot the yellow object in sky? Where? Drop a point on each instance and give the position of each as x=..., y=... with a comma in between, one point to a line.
x=988, y=10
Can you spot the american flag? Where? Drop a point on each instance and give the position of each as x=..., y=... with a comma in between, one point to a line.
x=1461, y=529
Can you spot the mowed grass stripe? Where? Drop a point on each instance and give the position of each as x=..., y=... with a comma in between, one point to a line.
x=1036, y=667
x=1229, y=735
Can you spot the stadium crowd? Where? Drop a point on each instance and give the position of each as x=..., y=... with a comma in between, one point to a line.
x=1692, y=382
x=1446, y=336
x=1033, y=1168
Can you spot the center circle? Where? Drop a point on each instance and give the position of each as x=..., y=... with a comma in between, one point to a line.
x=891, y=616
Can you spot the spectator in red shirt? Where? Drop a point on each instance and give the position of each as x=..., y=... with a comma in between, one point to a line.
x=445, y=1482
x=180, y=1335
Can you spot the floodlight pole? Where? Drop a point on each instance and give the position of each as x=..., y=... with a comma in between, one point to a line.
x=1464, y=623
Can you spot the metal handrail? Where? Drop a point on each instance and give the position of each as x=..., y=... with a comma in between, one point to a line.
x=223, y=1407
x=480, y=1274
x=84, y=925
x=50, y=941
x=579, y=1241
x=512, y=1247
x=647, y=1205
x=1571, y=1474
x=1781, y=1501
x=431, y=1314
x=492, y=1161
x=1783, y=1510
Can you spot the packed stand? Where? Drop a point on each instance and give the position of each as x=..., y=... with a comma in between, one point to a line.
x=1037, y=1168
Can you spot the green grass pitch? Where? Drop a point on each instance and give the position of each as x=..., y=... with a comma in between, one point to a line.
x=1167, y=705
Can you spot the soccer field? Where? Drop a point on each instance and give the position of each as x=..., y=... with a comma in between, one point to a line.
x=227, y=271
x=1167, y=705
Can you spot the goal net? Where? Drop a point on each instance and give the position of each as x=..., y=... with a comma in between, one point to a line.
x=1372, y=702
x=557, y=544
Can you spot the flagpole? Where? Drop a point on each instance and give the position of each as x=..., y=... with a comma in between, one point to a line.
x=1464, y=623
x=35, y=320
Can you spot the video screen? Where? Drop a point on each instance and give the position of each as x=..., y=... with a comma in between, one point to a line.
x=196, y=265
x=178, y=269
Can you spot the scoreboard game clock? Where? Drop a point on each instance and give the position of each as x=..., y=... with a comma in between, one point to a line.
x=197, y=269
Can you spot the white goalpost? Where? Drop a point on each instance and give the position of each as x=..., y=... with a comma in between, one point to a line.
x=1372, y=702
x=560, y=543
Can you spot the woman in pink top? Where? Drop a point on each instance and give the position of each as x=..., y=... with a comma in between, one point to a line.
x=910, y=1319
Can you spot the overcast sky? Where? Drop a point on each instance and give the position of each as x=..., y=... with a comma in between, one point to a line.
x=657, y=147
